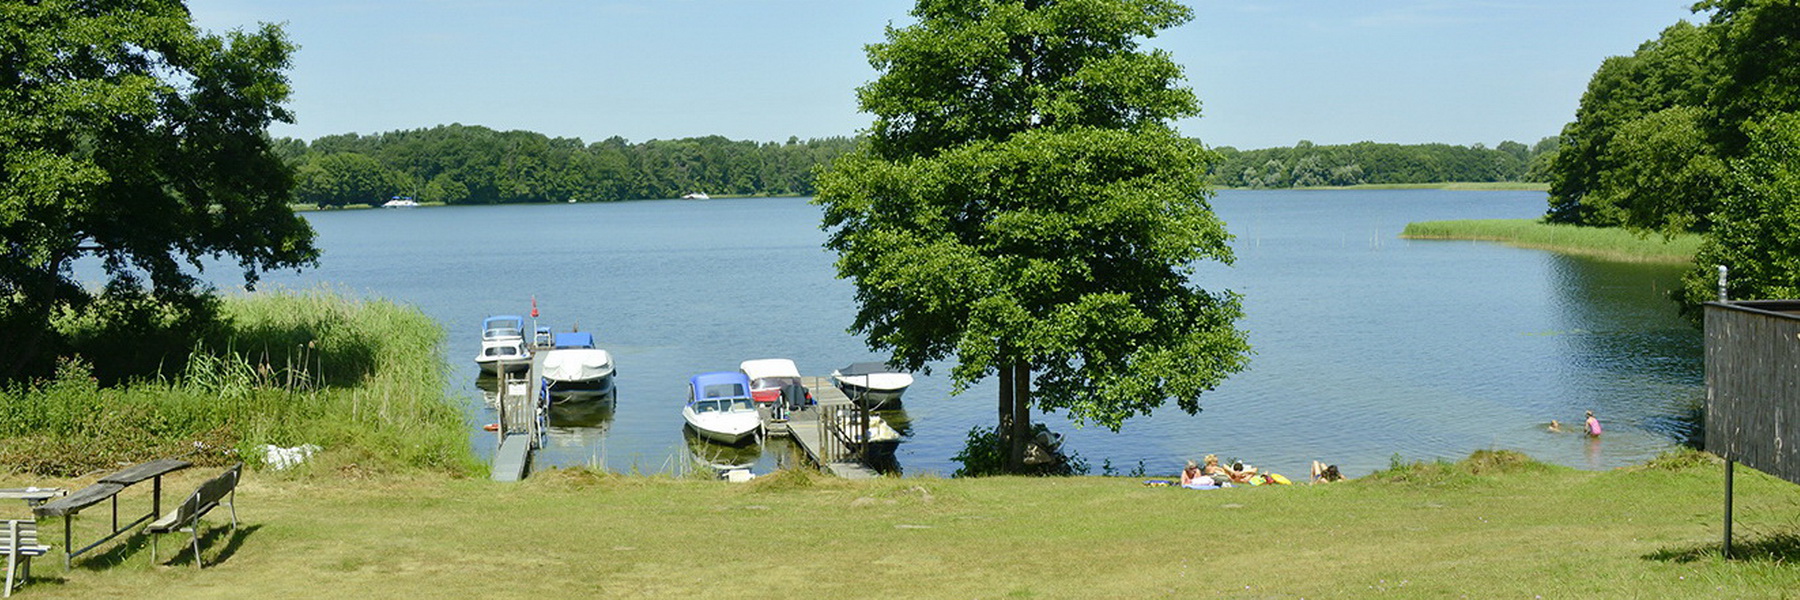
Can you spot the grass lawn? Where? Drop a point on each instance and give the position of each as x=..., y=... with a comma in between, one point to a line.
x=1443, y=531
x=1599, y=242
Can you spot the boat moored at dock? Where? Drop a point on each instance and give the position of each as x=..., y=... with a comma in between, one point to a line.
x=503, y=345
x=720, y=408
x=872, y=385
x=573, y=369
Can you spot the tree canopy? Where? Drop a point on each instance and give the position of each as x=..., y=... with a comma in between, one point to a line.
x=1651, y=142
x=1023, y=207
x=128, y=135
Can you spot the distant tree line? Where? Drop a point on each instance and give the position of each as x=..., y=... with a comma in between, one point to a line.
x=464, y=164
x=1310, y=165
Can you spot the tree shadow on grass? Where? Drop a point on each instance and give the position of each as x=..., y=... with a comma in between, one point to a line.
x=1779, y=547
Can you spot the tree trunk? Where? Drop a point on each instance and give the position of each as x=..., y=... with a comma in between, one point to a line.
x=1004, y=428
x=1021, y=417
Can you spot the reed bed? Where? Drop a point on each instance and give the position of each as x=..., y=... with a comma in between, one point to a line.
x=1598, y=242
x=363, y=379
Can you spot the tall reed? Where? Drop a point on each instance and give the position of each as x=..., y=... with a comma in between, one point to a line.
x=362, y=378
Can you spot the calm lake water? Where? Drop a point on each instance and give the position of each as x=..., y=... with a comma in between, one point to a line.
x=1367, y=346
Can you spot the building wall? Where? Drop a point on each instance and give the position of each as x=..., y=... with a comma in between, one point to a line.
x=1753, y=384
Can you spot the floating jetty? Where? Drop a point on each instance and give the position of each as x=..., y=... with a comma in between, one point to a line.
x=523, y=413
x=827, y=431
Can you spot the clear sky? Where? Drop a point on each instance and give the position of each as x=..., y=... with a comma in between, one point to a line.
x=1269, y=72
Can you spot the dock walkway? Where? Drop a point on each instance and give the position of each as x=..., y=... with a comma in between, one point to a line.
x=815, y=440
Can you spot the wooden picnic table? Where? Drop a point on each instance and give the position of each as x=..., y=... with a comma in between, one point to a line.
x=106, y=488
x=33, y=496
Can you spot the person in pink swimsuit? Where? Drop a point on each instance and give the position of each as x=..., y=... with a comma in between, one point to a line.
x=1593, y=425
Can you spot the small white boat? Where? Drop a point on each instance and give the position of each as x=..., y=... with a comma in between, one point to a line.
x=719, y=407
x=575, y=370
x=872, y=385
x=401, y=202
x=503, y=345
x=768, y=376
x=696, y=196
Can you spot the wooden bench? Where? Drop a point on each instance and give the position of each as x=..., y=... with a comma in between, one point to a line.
x=186, y=516
x=19, y=542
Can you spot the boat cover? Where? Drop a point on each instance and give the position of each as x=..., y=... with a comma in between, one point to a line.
x=866, y=368
x=721, y=384
x=769, y=367
x=577, y=339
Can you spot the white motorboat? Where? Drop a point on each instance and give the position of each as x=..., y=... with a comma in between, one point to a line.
x=719, y=407
x=575, y=370
x=768, y=376
x=401, y=202
x=872, y=385
x=503, y=345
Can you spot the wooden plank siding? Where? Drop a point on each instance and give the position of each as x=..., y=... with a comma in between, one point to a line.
x=1753, y=384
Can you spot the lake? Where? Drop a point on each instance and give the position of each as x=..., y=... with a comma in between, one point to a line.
x=1367, y=346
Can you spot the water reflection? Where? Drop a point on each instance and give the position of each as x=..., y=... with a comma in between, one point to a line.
x=720, y=457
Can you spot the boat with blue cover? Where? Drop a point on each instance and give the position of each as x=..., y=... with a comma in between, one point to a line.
x=720, y=408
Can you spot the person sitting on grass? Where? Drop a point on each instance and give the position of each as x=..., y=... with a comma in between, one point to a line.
x=1222, y=474
x=1193, y=479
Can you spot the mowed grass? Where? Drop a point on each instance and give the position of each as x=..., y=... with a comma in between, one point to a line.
x=1436, y=531
x=1599, y=242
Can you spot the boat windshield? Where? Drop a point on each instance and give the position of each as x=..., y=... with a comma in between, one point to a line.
x=764, y=383
x=741, y=404
x=501, y=332
x=723, y=390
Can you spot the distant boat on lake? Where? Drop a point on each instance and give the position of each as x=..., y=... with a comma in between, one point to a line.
x=696, y=196
x=401, y=202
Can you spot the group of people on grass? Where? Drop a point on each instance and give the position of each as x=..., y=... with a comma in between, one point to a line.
x=1214, y=475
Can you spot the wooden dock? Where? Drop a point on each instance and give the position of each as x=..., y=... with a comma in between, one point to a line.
x=521, y=423
x=818, y=442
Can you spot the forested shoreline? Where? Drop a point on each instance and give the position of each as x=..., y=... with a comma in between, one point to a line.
x=471, y=164
x=464, y=164
x=1310, y=165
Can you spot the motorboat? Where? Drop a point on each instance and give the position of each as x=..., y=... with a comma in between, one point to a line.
x=872, y=385
x=768, y=376
x=400, y=202
x=503, y=345
x=573, y=369
x=696, y=196
x=719, y=407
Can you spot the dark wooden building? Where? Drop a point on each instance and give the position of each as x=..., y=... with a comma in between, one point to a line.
x=1753, y=384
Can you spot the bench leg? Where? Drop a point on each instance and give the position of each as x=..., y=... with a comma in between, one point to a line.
x=153, y=537
x=12, y=564
x=195, y=529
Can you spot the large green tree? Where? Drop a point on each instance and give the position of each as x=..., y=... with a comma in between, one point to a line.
x=1757, y=234
x=1022, y=207
x=1635, y=107
x=128, y=135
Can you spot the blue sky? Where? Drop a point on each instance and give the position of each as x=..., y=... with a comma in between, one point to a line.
x=1269, y=72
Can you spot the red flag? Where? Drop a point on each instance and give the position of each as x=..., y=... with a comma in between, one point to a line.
x=534, y=312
